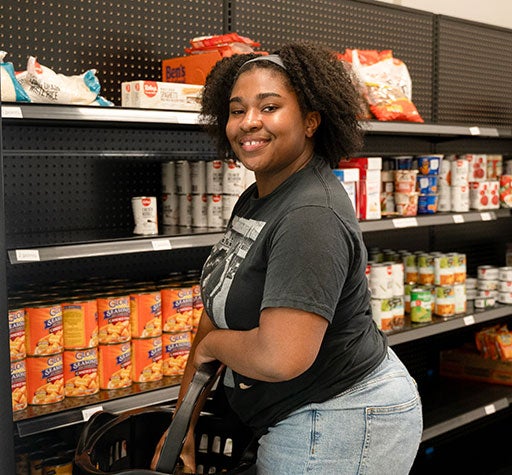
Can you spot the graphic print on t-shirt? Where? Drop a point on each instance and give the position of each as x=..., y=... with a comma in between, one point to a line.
x=225, y=259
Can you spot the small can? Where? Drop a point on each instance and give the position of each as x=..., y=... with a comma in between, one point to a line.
x=487, y=284
x=487, y=273
x=426, y=269
x=505, y=274
x=504, y=286
x=214, y=173
x=146, y=359
x=145, y=215
x=81, y=372
x=444, y=305
x=487, y=293
x=459, y=291
x=45, y=379
x=176, y=309
x=505, y=297
x=146, y=314
x=113, y=319
x=183, y=178
x=43, y=330
x=19, y=385
x=428, y=164
x=421, y=305
x=169, y=177
x=485, y=302
x=214, y=211
x=185, y=210
x=114, y=365
x=17, y=334
x=200, y=211
x=233, y=178
x=444, y=270
x=80, y=324
x=176, y=348
x=170, y=209
x=198, y=177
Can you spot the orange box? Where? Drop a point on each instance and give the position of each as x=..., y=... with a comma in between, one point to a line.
x=191, y=69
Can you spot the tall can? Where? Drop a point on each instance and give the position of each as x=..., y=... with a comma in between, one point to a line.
x=421, y=305
x=113, y=319
x=45, y=379
x=199, y=210
x=80, y=324
x=81, y=372
x=183, y=178
x=145, y=215
x=444, y=269
x=214, y=174
x=145, y=314
x=18, y=385
x=147, y=359
x=115, y=365
x=445, y=301
x=426, y=269
x=17, y=333
x=43, y=329
x=459, y=291
x=169, y=177
x=176, y=348
x=170, y=209
x=198, y=177
x=381, y=281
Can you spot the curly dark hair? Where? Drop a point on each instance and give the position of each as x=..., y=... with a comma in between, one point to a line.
x=321, y=83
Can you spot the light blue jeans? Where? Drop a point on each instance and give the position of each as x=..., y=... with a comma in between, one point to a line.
x=374, y=427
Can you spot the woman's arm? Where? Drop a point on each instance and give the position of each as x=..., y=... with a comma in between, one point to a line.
x=284, y=345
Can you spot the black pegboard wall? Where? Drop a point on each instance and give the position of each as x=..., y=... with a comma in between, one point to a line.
x=341, y=24
x=123, y=40
x=474, y=73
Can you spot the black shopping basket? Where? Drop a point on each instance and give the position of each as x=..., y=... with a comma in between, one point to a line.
x=124, y=444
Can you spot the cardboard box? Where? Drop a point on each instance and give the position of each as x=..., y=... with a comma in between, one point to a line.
x=349, y=178
x=367, y=163
x=161, y=95
x=467, y=363
x=191, y=69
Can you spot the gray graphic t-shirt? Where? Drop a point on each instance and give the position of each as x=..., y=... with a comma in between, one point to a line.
x=299, y=247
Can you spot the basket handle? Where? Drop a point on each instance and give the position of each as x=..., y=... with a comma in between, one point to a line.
x=173, y=444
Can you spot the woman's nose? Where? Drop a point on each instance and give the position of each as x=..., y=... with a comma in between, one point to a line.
x=251, y=121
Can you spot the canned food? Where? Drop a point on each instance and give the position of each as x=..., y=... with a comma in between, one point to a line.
x=198, y=177
x=444, y=270
x=411, y=268
x=487, y=293
x=170, y=209
x=146, y=359
x=214, y=211
x=505, y=286
x=197, y=305
x=114, y=365
x=484, y=302
x=444, y=305
x=398, y=310
x=405, y=181
x=169, y=177
x=398, y=274
x=444, y=202
x=43, y=330
x=19, y=385
x=145, y=215
x=505, y=297
x=176, y=348
x=17, y=334
x=113, y=319
x=505, y=274
x=233, y=178
x=183, y=178
x=382, y=313
x=459, y=172
x=381, y=281
x=459, y=267
x=185, y=210
x=487, y=284
x=426, y=269
x=214, y=172
x=459, y=291
x=228, y=203
x=176, y=308
x=487, y=273
x=81, y=372
x=146, y=314
x=199, y=211
x=407, y=296
x=421, y=305
x=80, y=323
x=45, y=379
x=459, y=196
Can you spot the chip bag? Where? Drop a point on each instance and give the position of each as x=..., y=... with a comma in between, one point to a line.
x=12, y=90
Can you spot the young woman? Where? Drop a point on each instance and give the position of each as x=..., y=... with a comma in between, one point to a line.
x=287, y=306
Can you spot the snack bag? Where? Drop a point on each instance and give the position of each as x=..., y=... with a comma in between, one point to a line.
x=12, y=91
x=43, y=85
x=227, y=45
x=387, y=84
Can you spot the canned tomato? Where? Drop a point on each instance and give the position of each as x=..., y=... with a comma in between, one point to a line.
x=19, y=385
x=146, y=314
x=113, y=319
x=45, y=379
x=176, y=308
x=17, y=334
x=421, y=305
x=487, y=273
x=81, y=372
x=444, y=305
x=505, y=274
x=425, y=269
x=80, y=323
x=176, y=348
x=146, y=359
x=114, y=365
x=444, y=270
x=381, y=281
x=505, y=286
x=487, y=284
x=43, y=330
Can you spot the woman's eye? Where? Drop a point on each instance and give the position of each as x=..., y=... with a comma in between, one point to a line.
x=269, y=108
x=236, y=111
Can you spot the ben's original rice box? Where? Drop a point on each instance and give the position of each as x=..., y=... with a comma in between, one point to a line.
x=161, y=95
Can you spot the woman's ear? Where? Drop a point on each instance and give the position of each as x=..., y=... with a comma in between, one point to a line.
x=312, y=122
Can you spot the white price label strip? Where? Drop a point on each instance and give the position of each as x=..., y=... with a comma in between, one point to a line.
x=12, y=112
x=87, y=413
x=486, y=216
x=405, y=222
x=458, y=218
x=27, y=255
x=474, y=130
x=469, y=320
x=161, y=244
x=490, y=409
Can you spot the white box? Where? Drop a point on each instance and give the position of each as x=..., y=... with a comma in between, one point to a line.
x=349, y=178
x=161, y=95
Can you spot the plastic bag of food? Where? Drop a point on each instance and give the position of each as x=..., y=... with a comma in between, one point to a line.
x=12, y=91
x=43, y=85
x=227, y=45
x=386, y=83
